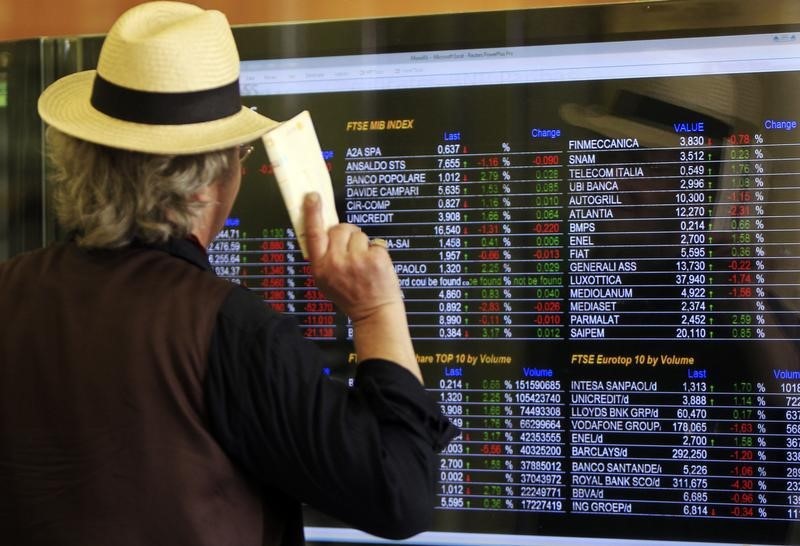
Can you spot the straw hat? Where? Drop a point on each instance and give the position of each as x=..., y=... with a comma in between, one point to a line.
x=167, y=82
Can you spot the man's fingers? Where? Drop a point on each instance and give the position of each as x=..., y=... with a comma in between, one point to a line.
x=358, y=241
x=316, y=237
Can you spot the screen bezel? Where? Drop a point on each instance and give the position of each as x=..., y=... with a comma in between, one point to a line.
x=509, y=28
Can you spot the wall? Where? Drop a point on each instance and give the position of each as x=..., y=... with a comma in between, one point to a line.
x=29, y=18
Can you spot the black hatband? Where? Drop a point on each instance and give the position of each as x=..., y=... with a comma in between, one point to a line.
x=156, y=108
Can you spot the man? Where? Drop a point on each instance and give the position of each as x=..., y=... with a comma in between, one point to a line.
x=145, y=401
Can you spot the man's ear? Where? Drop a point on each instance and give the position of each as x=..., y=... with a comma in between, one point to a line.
x=207, y=195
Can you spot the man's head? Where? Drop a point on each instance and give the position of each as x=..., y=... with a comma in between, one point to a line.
x=108, y=197
x=161, y=116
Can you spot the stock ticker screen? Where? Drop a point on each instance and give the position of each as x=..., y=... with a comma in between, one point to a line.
x=600, y=266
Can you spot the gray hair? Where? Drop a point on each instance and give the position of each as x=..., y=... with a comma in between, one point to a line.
x=110, y=197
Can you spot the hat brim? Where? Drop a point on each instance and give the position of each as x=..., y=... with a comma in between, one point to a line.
x=66, y=105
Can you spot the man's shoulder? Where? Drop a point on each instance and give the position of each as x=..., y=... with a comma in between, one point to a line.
x=246, y=310
x=30, y=258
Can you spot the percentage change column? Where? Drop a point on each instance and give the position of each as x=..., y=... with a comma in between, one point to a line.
x=742, y=217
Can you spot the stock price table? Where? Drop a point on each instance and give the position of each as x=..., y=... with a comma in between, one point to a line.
x=611, y=322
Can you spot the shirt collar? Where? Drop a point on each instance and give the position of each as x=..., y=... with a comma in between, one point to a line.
x=188, y=249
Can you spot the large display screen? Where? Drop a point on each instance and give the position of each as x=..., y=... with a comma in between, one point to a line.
x=598, y=242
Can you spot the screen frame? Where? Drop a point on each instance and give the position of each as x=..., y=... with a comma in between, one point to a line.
x=509, y=28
